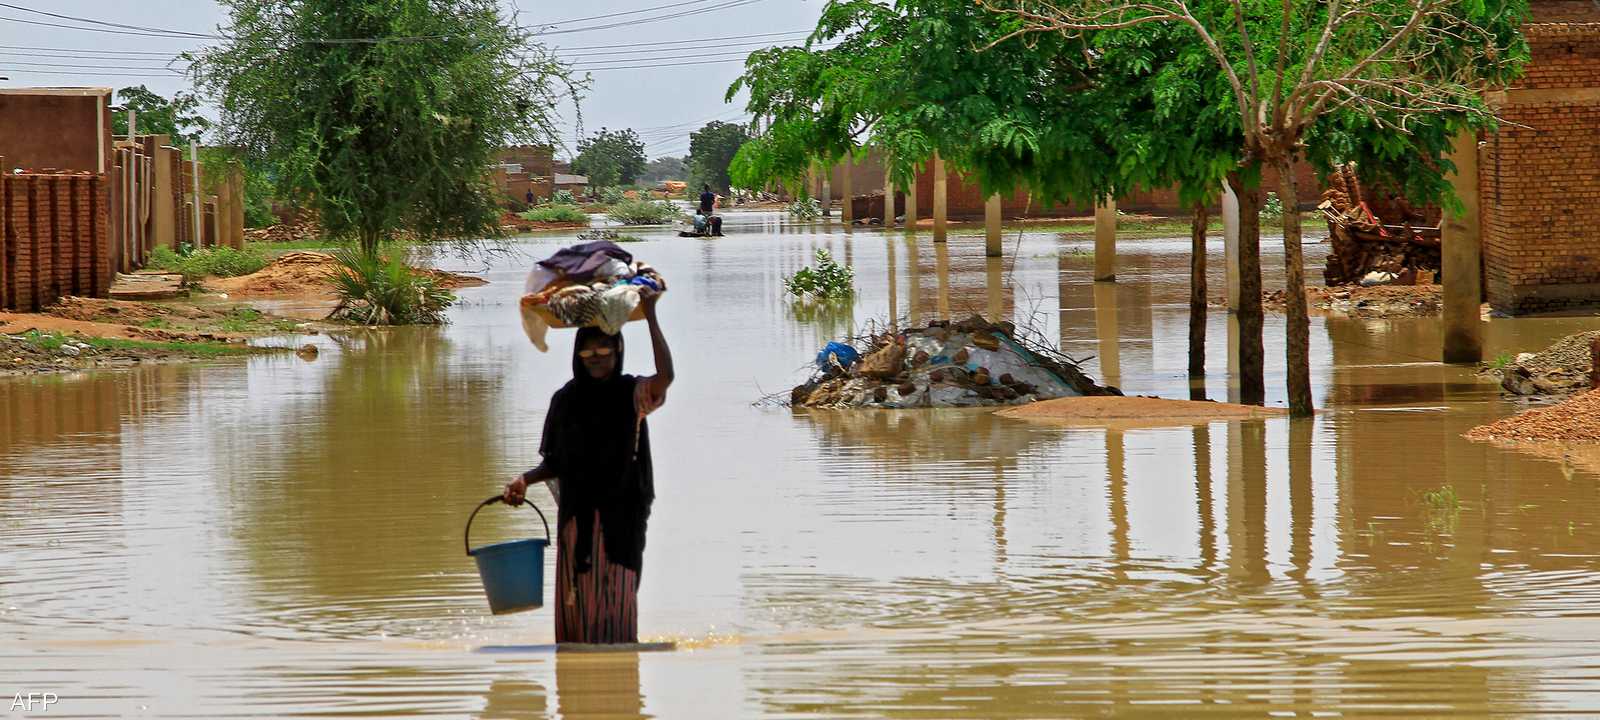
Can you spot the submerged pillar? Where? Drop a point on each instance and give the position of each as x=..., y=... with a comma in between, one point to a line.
x=1230, y=244
x=940, y=206
x=1461, y=253
x=888, y=195
x=911, y=202
x=991, y=226
x=1105, y=240
x=847, y=209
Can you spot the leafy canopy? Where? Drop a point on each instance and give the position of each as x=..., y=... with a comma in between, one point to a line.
x=610, y=158
x=383, y=114
x=711, y=151
x=178, y=117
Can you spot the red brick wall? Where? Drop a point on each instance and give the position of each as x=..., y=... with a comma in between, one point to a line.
x=1540, y=178
x=52, y=239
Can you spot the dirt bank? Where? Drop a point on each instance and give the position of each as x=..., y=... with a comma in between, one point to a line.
x=1576, y=420
x=307, y=275
x=167, y=320
x=514, y=223
x=1560, y=369
x=1381, y=301
x=1134, y=412
x=52, y=345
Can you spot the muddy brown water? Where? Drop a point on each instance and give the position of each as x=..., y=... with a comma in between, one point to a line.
x=280, y=538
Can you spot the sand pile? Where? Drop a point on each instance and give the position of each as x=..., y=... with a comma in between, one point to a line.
x=308, y=274
x=127, y=312
x=1575, y=420
x=1558, y=369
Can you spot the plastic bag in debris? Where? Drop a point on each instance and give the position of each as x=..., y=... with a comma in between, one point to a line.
x=1010, y=359
x=837, y=352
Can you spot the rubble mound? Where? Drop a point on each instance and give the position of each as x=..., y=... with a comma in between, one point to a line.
x=1373, y=231
x=310, y=273
x=971, y=363
x=1561, y=368
x=1575, y=420
x=304, y=228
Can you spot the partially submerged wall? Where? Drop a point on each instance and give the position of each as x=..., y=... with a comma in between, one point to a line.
x=53, y=238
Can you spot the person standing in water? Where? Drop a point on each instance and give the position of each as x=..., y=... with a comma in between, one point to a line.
x=708, y=200
x=596, y=455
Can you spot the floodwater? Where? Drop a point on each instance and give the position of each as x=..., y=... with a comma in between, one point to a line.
x=280, y=538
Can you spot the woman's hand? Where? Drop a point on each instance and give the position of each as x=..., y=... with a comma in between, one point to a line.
x=647, y=298
x=516, y=490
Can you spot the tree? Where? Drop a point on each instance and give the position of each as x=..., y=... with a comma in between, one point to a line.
x=383, y=114
x=1394, y=74
x=610, y=158
x=664, y=168
x=711, y=151
x=178, y=117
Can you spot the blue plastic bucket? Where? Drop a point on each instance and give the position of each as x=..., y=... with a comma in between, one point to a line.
x=512, y=572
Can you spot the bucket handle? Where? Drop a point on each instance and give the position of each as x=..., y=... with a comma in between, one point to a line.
x=466, y=538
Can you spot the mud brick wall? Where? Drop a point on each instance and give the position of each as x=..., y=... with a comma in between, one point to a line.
x=1540, y=177
x=53, y=239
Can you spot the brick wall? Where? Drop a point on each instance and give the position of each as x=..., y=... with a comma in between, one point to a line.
x=53, y=238
x=1540, y=177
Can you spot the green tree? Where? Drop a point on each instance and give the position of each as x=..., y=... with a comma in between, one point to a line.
x=178, y=117
x=1367, y=78
x=711, y=151
x=664, y=168
x=610, y=158
x=383, y=114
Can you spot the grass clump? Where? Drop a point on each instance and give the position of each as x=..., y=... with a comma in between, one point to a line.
x=828, y=280
x=557, y=213
x=1501, y=361
x=53, y=342
x=209, y=262
x=645, y=212
x=1443, y=499
x=373, y=290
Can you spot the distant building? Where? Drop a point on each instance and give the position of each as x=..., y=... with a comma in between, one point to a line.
x=575, y=184
x=524, y=170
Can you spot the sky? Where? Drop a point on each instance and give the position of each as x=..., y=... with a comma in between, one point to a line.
x=645, y=73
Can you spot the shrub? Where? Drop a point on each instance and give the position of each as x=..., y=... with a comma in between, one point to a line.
x=562, y=197
x=827, y=281
x=373, y=290
x=805, y=209
x=645, y=212
x=210, y=262
x=557, y=213
x=1272, y=208
x=613, y=195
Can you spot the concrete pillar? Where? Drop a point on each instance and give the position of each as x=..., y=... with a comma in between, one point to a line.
x=827, y=190
x=994, y=290
x=941, y=268
x=1230, y=243
x=164, y=216
x=224, y=212
x=991, y=226
x=940, y=189
x=847, y=209
x=236, y=189
x=1105, y=240
x=911, y=203
x=1461, y=254
x=888, y=197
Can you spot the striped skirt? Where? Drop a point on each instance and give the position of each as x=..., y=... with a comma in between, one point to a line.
x=599, y=606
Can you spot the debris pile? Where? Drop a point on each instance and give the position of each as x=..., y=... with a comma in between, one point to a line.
x=1561, y=368
x=1381, y=301
x=966, y=364
x=1375, y=236
x=1575, y=420
x=304, y=228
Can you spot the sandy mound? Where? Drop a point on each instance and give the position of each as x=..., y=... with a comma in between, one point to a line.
x=1558, y=369
x=1134, y=412
x=307, y=274
x=127, y=312
x=1575, y=420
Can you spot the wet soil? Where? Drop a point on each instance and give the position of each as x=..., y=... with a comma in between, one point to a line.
x=36, y=351
x=1381, y=301
x=307, y=275
x=1575, y=420
x=1131, y=412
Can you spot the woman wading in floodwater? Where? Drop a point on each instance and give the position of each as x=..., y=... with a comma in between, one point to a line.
x=596, y=451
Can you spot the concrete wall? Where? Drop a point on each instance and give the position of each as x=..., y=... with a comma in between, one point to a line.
x=48, y=129
x=54, y=239
x=1540, y=184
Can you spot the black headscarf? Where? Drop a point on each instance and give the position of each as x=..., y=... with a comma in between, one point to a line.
x=591, y=442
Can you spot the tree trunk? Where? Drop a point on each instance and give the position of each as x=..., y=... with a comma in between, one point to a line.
x=1252, y=357
x=1297, y=347
x=1197, y=294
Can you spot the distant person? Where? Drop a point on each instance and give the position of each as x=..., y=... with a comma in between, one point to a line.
x=530, y=197
x=708, y=200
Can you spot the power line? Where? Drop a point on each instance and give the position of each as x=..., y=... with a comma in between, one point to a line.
x=754, y=46
x=98, y=30
x=122, y=26
x=659, y=65
x=682, y=42
x=87, y=50
x=559, y=23
x=10, y=63
x=727, y=5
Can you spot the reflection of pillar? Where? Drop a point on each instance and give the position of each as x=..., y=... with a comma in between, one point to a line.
x=941, y=268
x=1247, y=501
x=991, y=226
x=914, y=285
x=827, y=189
x=1117, y=491
x=1233, y=358
x=1230, y=244
x=1105, y=240
x=940, y=201
x=994, y=293
x=894, y=284
x=1461, y=257
x=1300, y=501
x=911, y=202
x=999, y=517
x=1203, y=496
x=1105, y=330
x=847, y=207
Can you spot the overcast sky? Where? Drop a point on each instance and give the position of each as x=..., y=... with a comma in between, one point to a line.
x=682, y=91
